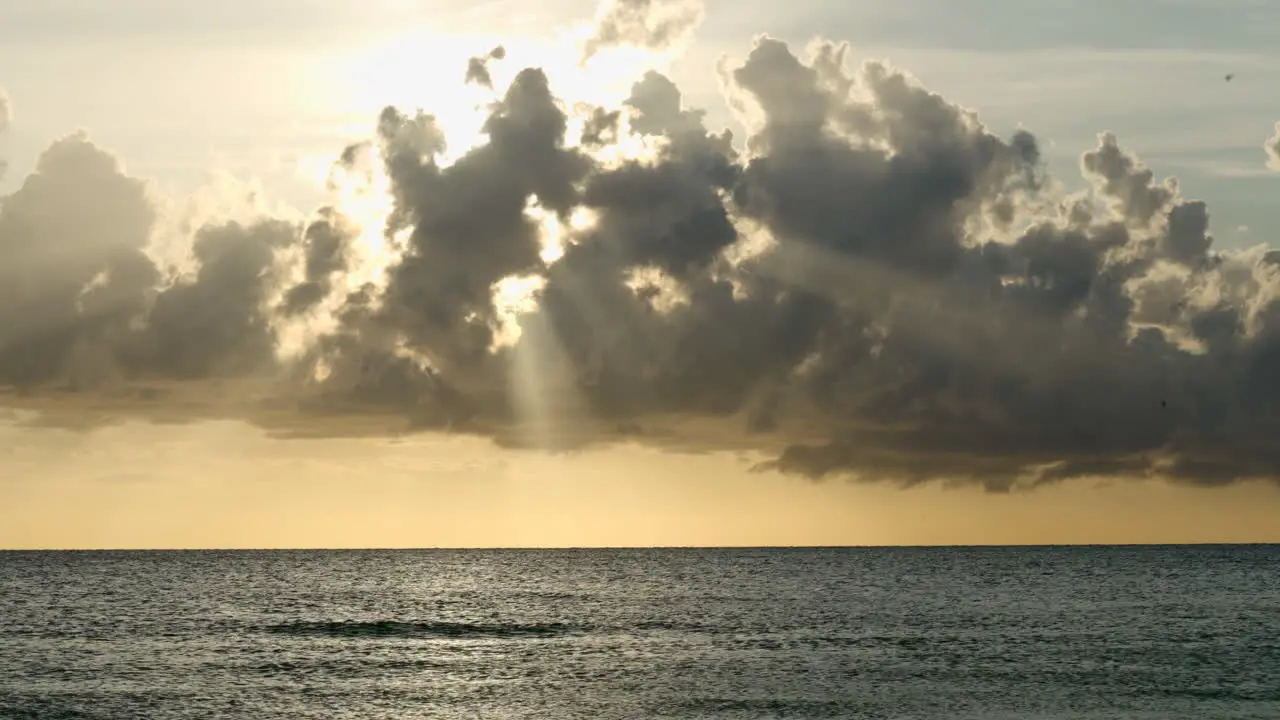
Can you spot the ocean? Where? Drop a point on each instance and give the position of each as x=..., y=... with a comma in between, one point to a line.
x=981, y=633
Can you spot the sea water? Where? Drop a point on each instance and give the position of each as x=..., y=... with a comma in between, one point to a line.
x=1123, y=632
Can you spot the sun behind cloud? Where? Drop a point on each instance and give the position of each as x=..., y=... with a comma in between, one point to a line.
x=551, y=249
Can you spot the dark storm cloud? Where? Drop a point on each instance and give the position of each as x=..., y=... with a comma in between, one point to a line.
x=326, y=244
x=921, y=348
x=478, y=67
x=601, y=128
x=216, y=323
x=466, y=229
x=651, y=24
x=73, y=274
x=994, y=361
x=467, y=221
x=667, y=215
x=877, y=287
x=81, y=302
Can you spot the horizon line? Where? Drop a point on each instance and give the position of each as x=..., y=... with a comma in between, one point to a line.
x=562, y=548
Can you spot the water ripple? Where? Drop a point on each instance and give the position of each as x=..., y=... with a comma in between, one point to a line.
x=400, y=629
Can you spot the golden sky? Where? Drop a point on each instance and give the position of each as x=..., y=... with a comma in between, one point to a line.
x=225, y=485
x=552, y=240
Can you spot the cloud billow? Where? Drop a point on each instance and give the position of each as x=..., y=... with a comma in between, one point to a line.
x=478, y=67
x=656, y=25
x=876, y=286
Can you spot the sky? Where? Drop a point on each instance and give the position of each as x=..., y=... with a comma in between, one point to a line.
x=934, y=286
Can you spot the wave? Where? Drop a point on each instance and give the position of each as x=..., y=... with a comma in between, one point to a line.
x=779, y=707
x=399, y=629
x=33, y=708
x=671, y=626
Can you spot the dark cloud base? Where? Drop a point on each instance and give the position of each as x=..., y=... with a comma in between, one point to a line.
x=879, y=288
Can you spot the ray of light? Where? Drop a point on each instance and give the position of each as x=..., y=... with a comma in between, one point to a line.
x=548, y=407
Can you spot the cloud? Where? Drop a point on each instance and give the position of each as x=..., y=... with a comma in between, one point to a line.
x=1272, y=148
x=478, y=67
x=73, y=274
x=6, y=111
x=871, y=284
x=84, y=303
x=6, y=117
x=651, y=24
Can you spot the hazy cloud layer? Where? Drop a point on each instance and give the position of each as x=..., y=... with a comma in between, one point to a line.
x=6, y=117
x=1273, y=150
x=651, y=24
x=877, y=286
x=6, y=111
